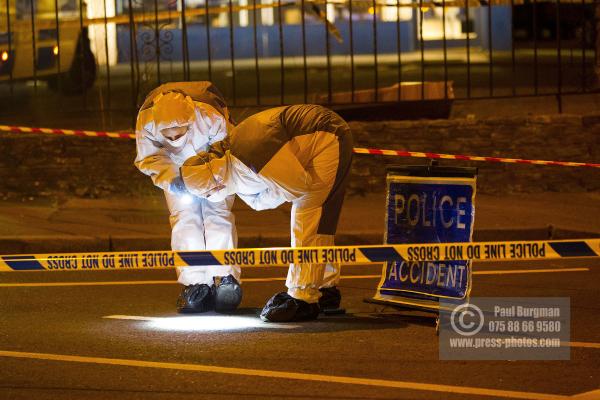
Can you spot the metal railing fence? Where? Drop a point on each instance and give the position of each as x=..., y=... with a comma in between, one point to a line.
x=104, y=56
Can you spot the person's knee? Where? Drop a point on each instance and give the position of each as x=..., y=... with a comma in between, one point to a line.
x=215, y=223
x=187, y=234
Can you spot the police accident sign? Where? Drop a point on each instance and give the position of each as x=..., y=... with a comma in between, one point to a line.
x=428, y=209
x=283, y=256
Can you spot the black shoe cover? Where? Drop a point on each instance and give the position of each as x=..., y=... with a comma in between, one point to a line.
x=228, y=294
x=196, y=299
x=330, y=298
x=284, y=308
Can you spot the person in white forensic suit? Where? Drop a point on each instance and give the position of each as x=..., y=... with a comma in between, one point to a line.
x=300, y=154
x=177, y=121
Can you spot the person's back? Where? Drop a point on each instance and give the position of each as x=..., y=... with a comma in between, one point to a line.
x=257, y=140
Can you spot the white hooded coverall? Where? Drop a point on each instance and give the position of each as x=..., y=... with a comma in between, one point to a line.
x=301, y=154
x=196, y=224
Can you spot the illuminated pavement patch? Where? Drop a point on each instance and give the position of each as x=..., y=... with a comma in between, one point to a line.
x=204, y=323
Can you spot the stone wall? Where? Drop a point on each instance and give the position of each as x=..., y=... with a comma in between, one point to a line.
x=37, y=165
x=560, y=138
x=50, y=166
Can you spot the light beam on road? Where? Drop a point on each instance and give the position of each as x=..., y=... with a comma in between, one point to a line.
x=203, y=323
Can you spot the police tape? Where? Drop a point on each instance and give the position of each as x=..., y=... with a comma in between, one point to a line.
x=357, y=150
x=282, y=256
x=68, y=132
x=402, y=153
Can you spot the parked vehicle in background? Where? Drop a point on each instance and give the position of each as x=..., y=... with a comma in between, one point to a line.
x=51, y=45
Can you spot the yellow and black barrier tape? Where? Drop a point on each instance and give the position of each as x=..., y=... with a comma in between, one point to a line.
x=282, y=256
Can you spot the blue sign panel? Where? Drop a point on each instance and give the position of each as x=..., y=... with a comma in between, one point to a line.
x=429, y=213
x=428, y=210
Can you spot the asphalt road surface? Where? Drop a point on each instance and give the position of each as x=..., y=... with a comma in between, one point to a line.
x=100, y=335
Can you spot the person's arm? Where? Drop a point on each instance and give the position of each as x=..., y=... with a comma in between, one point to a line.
x=217, y=126
x=152, y=159
x=266, y=200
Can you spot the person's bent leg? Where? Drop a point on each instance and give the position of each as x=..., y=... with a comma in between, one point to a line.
x=330, y=295
x=304, y=279
x=221, y=234
x=310, y=222
x=300, y=303
x=187, y=234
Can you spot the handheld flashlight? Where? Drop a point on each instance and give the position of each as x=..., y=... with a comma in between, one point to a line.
x=187, y=198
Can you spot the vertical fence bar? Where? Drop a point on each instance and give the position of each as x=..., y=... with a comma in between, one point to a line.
x=208, y=47
x=328, y=52
x=303, y=16
x=256, y=66
x=422, y=46
x=596, y=52
x=8, y=28
x=468, y=29
x=558, y=58
x=399, y=49
x=281, y=55
x=133, y=59
x=491, y=50
x=351, y=27
x=184, y=43
x=535, y=49
x=33, y=45
x=107, y=55
x=571, y=49
x=157, y=45
x=445, y=45
x=232, y=50
x=58, y=56
x=513, y=58
x=583, y=47
x=375, y=52
x=82, y=54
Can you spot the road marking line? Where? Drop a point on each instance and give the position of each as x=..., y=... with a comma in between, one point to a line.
x=51, y=284
x=530, y=271
x=283, y=279
x=593, y=395
x=589, y=345
x=289, y=375
x=273, y=279
x=171, y=282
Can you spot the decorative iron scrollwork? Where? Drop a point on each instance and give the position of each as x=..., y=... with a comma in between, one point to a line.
x=156, y=42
